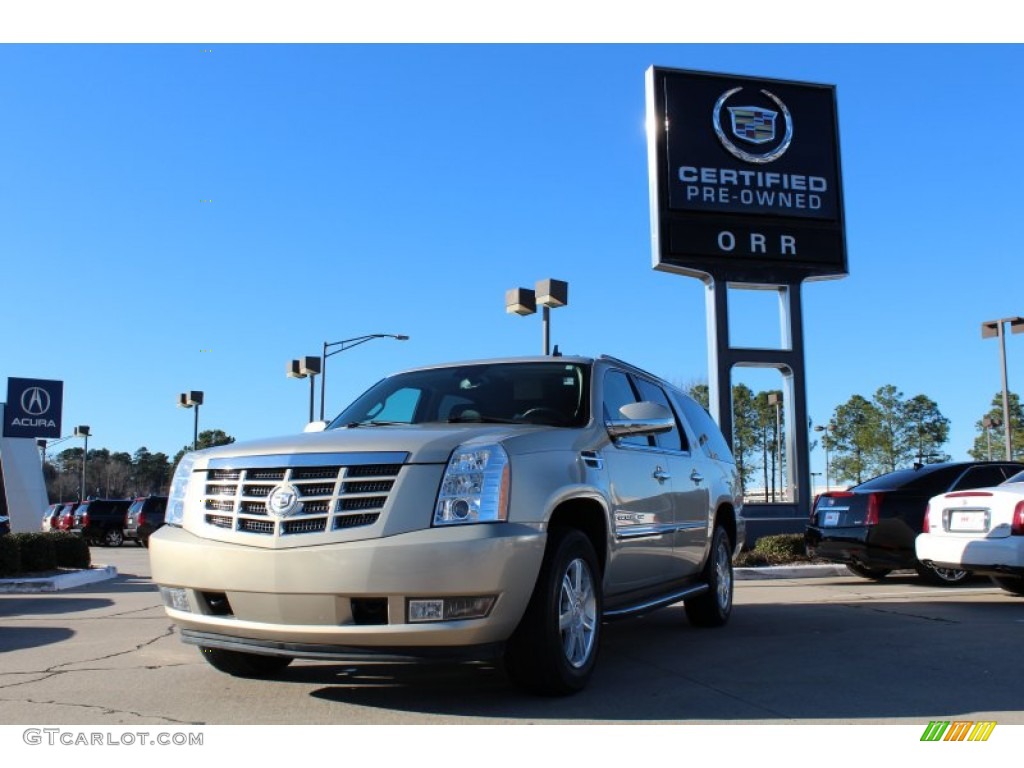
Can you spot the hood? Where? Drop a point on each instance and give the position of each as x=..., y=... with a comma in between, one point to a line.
x=425, y=443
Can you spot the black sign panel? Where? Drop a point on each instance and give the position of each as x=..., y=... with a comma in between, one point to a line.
x=745, y=177
x=33, y=408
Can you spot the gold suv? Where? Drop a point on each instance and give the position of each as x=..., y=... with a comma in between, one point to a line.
x=492, y=507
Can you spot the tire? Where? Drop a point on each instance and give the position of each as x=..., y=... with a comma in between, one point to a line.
x=1012, y=584
x=240, y=664
x=942, y=577
x=112, y=537
x=713, y=608
x=554, y=649
x=875, y=574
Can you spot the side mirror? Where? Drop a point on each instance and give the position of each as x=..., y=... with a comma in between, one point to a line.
x=643, y=418
x=315, y=426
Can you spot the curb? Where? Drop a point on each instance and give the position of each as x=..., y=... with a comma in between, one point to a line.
x=59, y=582
x=790, y=572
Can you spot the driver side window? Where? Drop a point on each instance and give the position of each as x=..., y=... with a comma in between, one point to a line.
x=618, y=391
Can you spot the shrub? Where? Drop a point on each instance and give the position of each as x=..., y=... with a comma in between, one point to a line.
x=10, y=556
x=785, y=547
x=37, y=551
x=70, y=551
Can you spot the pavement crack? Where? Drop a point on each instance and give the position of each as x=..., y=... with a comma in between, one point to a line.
x=110, y=711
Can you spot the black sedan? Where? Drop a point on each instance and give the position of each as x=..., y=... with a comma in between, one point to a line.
x=871, y=527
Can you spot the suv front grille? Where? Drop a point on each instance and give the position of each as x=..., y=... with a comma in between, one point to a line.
x=329, y=498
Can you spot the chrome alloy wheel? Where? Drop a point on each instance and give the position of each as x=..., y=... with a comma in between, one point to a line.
x=577, y=613
x=723, y=572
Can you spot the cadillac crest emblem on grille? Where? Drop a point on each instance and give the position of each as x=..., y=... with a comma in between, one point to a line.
x=283, y=500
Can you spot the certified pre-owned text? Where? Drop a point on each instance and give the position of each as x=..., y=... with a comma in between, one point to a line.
x=755, y=188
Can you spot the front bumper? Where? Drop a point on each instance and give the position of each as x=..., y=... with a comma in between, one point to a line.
x=992, y=557
x=311, y=595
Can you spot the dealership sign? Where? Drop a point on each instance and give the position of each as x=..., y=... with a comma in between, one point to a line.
x=745, y=178
x=33, y=408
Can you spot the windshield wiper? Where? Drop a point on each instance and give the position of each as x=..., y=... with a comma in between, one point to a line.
x=372, y=423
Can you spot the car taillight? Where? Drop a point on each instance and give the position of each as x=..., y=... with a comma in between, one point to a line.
x=140, y=519
x=926, y=526
x=1017, y=528
x=874, y=502
x=85, y=520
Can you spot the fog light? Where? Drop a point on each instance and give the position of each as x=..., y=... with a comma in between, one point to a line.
x=176, y=598
x=449, y=608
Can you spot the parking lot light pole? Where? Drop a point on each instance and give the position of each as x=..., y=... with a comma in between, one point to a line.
x=995, y=328
x=548, y=294
x=302, y=368
x=825, y=441
x=989, y=423
x=83, y=432
x=192, y=399
x=336, y=347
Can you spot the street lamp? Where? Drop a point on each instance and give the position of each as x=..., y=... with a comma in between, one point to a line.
x=548, y=293
x=992, y=328
x=775, y=398
x=192, y=399
x=989, y=424
x=302, y=368
x=825, y=441
x=83, y=431
x=337, y=347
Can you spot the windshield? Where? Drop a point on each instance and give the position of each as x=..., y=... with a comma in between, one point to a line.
x=517, y=393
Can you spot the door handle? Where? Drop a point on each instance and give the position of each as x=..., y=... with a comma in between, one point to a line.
x=696, y=476
x=661, y=475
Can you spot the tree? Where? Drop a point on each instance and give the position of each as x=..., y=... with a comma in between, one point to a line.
x=926, y=430
x=746, y=439
x=853, y=440
x=995, y=436
x=206, y=439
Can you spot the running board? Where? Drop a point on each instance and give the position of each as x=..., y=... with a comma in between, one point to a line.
x=638, y=609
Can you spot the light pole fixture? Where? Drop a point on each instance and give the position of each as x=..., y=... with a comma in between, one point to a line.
x=83, y=432
x=548, y=294
x=994, y=328
x=775, y=398
x=825, y=441
x=989, y=424
x=336, y=347
x=302, y=368
x=192, y=399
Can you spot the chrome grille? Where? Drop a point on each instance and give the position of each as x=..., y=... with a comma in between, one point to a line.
x=331, y=497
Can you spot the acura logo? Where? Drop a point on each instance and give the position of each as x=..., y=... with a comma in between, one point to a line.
x=754, y=125
x=35, y=401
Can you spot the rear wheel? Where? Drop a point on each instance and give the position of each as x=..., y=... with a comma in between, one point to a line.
x=942, y=577
x=113, y=538
x=1012, y=584
x=554, y=649
x=713, y=608
x=875, y=574
x=240, y=664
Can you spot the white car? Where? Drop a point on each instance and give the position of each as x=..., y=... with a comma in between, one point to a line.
x=980, y=530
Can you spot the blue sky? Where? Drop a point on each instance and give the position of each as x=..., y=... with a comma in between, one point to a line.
x=192, y=216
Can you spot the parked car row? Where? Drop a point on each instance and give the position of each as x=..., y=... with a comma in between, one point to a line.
x=923, y=519
x=108, y=522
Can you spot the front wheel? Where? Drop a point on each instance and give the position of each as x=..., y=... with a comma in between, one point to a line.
x=713, y=608
x=554, y=649
x=942, y=577
x=241, y=664
x=1012, y=584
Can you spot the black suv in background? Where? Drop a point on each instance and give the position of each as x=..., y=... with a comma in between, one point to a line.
x=145, y=515
x=101, y=521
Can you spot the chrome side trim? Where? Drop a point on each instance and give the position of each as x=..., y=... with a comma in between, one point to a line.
x=308, y=460
x=654, y=603
x=657, y=530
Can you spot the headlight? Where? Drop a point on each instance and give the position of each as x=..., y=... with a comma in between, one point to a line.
x=475, y=487
x=179, y=487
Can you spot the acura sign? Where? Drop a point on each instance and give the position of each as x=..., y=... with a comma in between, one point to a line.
x=33, y=408
x=745, y=178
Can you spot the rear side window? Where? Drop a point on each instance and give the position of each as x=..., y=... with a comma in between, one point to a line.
x=617, y=393
x=709, y=436
x=672, y=440
x=981, y=477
